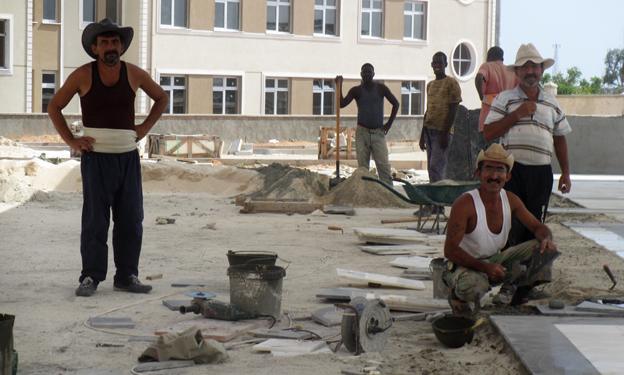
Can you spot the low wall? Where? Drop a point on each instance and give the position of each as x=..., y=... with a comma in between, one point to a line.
x=228, y=128
x=592, y=105
x=595, y=146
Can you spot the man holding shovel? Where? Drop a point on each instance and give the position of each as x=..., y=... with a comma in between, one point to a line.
x=478, y=227
x=370, y=135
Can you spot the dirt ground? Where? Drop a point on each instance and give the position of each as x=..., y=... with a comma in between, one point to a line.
x=41, y=264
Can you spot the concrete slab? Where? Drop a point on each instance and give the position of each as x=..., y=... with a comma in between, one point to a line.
x=414, y=262
x=600, y=344
x=379, y=279
x=328, y=316
x=598, y=192
x=281, y=334
x=608, y=235
x=570, y=311
x=414, y=249
x=174, y=304
x=599, y=307
x=111, y=322
x=288, y=347
x=542, y=348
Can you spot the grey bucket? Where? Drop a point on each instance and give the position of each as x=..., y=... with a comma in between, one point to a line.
x=440, y=289
x=8, y=355
x=257, y=289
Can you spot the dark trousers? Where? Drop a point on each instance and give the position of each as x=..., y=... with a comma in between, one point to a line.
x=111, y=181
x=533, y=185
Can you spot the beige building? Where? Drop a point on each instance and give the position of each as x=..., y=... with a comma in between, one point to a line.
x=249, y=57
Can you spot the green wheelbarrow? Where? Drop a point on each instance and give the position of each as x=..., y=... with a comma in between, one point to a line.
x=441, y=193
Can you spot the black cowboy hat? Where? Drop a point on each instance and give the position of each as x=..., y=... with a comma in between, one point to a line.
x=94, y=29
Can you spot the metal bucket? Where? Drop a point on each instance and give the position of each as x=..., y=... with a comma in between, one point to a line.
x=257, y=289
x=440, y=289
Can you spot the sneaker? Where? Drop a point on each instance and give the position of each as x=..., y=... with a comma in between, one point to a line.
x=505, y=295
x=133, y=286
x=86, y=288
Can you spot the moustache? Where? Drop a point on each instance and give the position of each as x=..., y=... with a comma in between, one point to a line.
x=496, y=180
x=531, y=76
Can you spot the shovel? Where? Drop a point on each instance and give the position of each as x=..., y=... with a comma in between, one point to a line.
x=336, y=180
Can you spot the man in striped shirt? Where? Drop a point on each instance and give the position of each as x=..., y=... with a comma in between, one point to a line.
x=531, y=125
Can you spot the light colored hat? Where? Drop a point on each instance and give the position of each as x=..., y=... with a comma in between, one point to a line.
x=496, y=153
x=528, y=52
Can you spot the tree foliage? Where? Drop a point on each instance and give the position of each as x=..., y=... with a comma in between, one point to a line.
x=614, y=68
x=572, y=83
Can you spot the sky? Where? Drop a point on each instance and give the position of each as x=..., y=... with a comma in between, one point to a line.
x=584, y=30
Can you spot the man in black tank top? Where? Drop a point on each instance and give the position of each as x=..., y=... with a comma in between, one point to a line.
x=370, y=135
x=110, y=164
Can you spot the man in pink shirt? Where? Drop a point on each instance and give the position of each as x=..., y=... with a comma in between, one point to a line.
x=492, y=78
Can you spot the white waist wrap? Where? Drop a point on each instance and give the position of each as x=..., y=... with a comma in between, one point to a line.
x=112, y=141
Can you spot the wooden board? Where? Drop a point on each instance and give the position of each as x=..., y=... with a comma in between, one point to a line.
x=375, y=278
x=282, y=207
x=410, y=249
x=219, y=330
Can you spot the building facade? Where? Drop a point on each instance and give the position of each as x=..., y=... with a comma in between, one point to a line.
x=249, y=57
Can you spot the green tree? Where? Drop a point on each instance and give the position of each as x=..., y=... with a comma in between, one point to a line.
x=614, y=68
x=572, y=83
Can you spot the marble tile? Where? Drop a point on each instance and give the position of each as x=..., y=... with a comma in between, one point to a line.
x=600, y=344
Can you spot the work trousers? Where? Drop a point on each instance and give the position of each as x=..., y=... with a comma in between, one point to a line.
x=469, y=285
x=111, y=182
x=533, y=185
x=373, y=142
x=437, y=157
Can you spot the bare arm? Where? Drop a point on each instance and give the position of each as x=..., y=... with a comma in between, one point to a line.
x=59, y=101
x=561, y=150
x=156, y=93
x=395, y=107
x=541, y=232
x=479, y=80
x=456, y=228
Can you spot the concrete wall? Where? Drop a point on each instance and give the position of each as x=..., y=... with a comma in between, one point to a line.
x=592, y=105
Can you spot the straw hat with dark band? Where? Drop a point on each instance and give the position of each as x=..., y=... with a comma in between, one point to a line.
x=496, y=153
x=90, y=33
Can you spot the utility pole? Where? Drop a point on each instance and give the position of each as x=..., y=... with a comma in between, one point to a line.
x=556, y=46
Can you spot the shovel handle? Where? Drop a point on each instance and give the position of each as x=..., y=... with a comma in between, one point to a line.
x=610, y=274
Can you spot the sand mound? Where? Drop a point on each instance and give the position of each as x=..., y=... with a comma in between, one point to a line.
x=359, y=193
x=20, y=180
x=288, y=183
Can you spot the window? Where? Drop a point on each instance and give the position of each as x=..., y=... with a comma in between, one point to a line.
x=372, y=15
x=325, y=17
x=175, y=87
x=323, y=97
x=48, y=88
x=112, y=10
x=49, y=10
x=415, y=20
x=278, y=15
x=412, y=98
x=276, y=96
x=463, y=61
x=227, y=14
x=88, y=11
x=173, y=13
x=225, y=95
x=5, y=44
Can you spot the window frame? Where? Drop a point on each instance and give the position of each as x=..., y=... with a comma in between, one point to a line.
x=472, y=69
x=274, y=90
x=370, y=11
x=322, y=91
x=224, y=88
x=7, y=68
x=81, y=10
x=56, y=11
x=413, y=13
x=225, y=16
x=45, y=85
x=413, y=84
x=172, y=25
x=170, y=88
x=323, y=8
x=277, y=4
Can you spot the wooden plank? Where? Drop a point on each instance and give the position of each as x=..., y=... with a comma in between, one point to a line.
x=410, y=249
x=400, y=220
x=375, y=278
x=285, y=207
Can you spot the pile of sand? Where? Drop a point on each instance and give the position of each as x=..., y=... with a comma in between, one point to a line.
x=12, y=149
x=20, y=180
x=287, y=183
x=359, y=193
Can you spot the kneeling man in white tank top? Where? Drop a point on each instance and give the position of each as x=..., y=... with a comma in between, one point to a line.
x=477, y=231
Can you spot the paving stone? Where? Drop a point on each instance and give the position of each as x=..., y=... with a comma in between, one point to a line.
x=110, y=322
x=281, y=334
x=174, y=304
x=328, y=316
x=599, y=307
x=186, y=283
